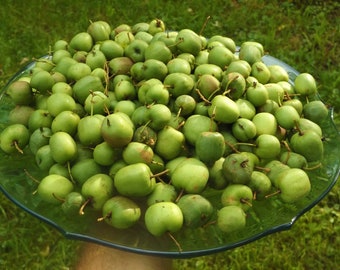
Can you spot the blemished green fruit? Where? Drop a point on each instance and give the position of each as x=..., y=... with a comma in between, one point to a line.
x=188, y=42
x=63, y=147
x=98, y=189
x=43, y=158
x=315, y=111
x=196, y=209
x=90, y=136
x=195, y=124
x=82, y=41
x=163, y=217
x=134, y=180
x=237, y=168
x=137, y=152
x=231, y=218
x=265, y=123
x=293, y=160
x=305, y=84
x=14, y=138
x=121, y=212
x=210, y=146
x=267, y=146
x=294, y=184
x=53, y=188
x=309, y=144
x=38, y=138
x=42, y=81
x=72, y=203
x=260, y=184
x=117, y=129
x=223, y=109
x=162, y=192
x=84, y=169
x=20, y=92
x=243, y=129
x=170, y=143
x=237, y=194
x=190, y=175
x=278, y=74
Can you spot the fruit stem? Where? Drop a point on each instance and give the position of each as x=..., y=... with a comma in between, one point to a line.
x=17, y=147
x=81, y=210
x=298, y=128
x=69, y=172
x=264, y=169
x=232, y=147
x=202, y=97
x=179, y=195
x=318, y=165
x=273, y=194
x=285, y=143
x=160, y=173
x=179, y=112
x=246, y=144
x=175, y=241
x=209, y=223
x=204, y=25
x=107, y=79
x=31, y=177
x=58, y=198
x=108, y=215
x=245, y=201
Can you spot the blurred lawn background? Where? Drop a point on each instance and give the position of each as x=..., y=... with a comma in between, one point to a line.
x=304, y=34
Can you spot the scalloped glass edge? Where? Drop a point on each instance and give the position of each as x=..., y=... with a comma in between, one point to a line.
x=268, y=60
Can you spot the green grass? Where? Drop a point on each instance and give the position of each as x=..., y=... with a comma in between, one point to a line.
x=304, y=36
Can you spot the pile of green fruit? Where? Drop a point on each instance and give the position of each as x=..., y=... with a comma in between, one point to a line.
x=136, y=122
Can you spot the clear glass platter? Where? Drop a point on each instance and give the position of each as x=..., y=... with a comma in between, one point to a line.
x=266, y=217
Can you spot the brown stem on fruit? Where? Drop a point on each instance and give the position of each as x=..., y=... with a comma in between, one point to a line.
x=264, y=169
x=81, y=210
x=212, y=94
x=179, y=112
x=204, y=25
x=147, y=123
x=31, y=177
x=107, y=78
x=106, y=110
x=58, y=198
x=273, y=194
x=246, y=144
x=245, y=201
x=209, y=223
x=148, y=106
x=226, y=92
x=179, y=195
x=160, y=173
x=254, y=195
x=286, y=96
x=69, y=172
x=17, y=147
x=181, y=124
x=175, y=241
x=316, y=166
x=232, y=147
x=285, y=143
x=298, y=128
x=108, y=215
x=202, y=97
x=175, y=44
